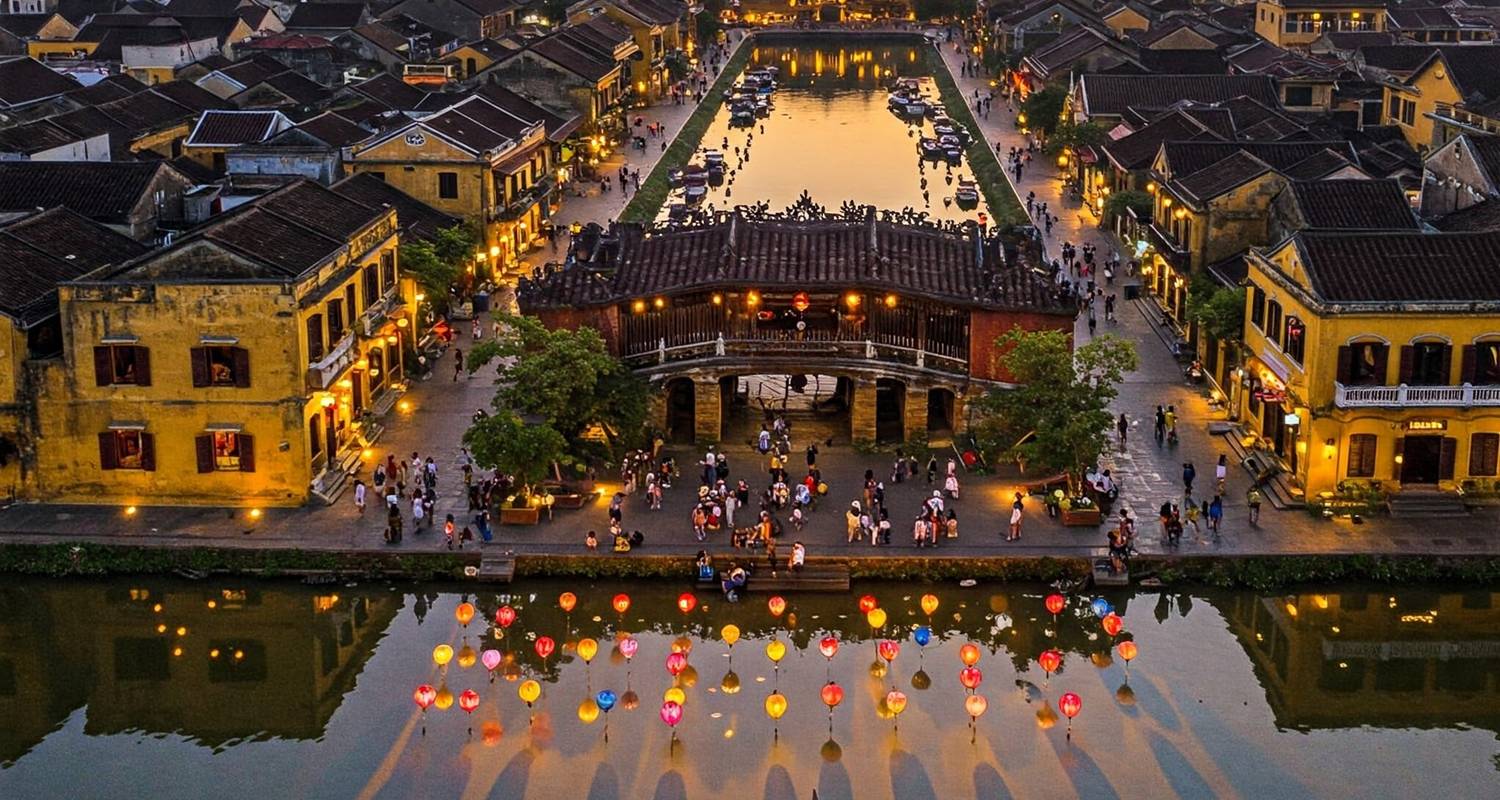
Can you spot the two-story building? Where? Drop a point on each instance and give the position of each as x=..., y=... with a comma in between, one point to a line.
x=1376, y=357
x=1455, y=89
x=241, y=365
x=1299, y=23
x=658, y=30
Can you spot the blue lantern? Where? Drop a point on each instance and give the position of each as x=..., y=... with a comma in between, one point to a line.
x=606, y=700
x=922, y=635
x=1101, y=607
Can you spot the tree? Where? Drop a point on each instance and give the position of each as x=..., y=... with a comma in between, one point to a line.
x=504, y=442
x=1060, y=413
x=706, y=23
x=1217, y=310
x=1043, y=109
x=565, y=380
x=1117, y=203
x=1071, y=135
x=438, y=263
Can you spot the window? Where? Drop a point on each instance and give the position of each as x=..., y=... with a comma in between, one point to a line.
x=1482, y=364
x=127, y=450
x=1299, y=96
x=315, y=337
x=1258, y=307
x=1425, y=364
x=351, y=303
x=370, y=277
x=448, y=185
x=1394, y=109
x=221, y=366
x=1408, y=112
x=335, y=314
x=1484, y=453
x=1362, y=455
x=1363, y=364
x=1273, y=321
x=122, y=365
x=387, y=270
x=225, y=451
x=1294, y=344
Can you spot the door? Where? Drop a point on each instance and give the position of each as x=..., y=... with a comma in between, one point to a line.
x=681, y=411
x=1421, y=459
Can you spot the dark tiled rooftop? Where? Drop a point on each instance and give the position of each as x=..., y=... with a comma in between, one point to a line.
x=1353, y=204
x=1369, y=267
x=1113, y=94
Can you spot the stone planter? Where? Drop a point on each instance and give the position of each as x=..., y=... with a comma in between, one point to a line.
x=1081, y=517
x=519, y=516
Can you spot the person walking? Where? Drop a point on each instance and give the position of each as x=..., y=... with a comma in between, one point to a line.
x=1016, y=514
x=1221, y=473
x=458, y=363
x=1122, y=426
x=1253, y=499
x=359, y=496
x=1189, y=474
x=1161, y=424
x=1215, y=514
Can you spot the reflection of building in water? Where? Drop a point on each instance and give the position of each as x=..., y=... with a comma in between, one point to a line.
x=213, y=662
x=1363, y=658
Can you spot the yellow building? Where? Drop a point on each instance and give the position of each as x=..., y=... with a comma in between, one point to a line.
x=657, y=28
x=1453, y=91
x=1123, y=18
x=474, y=160
x=1298, y=23
x=1376, y=357
x=242, y=365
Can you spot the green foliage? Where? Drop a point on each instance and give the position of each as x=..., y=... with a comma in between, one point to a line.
x=706, y=24
x=562, y=380
x=503, y=441
x=90, y=559
x=1043, y=109
x=438, y=264
x=1118, y=202
x=1061, y=407
x=1072, y=135
x=1217, y=310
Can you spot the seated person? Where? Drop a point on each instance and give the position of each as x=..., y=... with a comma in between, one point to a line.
x=622, y=542
x=705, y=565
x=734, y=580
x=637, y=539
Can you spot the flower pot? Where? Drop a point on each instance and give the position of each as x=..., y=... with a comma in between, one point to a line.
x=1082, y=517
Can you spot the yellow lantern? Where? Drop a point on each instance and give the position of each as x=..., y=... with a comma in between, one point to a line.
x=775, y=705
x=466, y=657
x=529, y=691
x=442, y=654
x=929, y=604
x=587, y=649
x=443, y=699
x=730, y=634
x=674, y=695
x=775, y=651
x=876, y=618
x=588, y=711
x=730, y=684
x=896, y=702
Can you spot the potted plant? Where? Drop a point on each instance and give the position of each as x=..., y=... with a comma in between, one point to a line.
x=1080, y=510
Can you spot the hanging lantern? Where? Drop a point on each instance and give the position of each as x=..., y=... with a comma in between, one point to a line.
x=629, y=645
x=801, y=302
x=567, y=600
x=588, y=711
x=970, y=677
x=490, y=659
x=775, y=651
x=1049, y=660
x=1055, y=604
x=442, y=654
x=671, y=713
x=621, y=603
x=922, y=635
x=468, y=700
x=424, y=696
x=828, y=646
x=444, y=698
x=777, y=605
x=895, y=702
x=867, y=604
x=587, y=649
x=504, y=616
x=876, y=618
x=976, y=705
x=1127, y=650
x=832, y=695
x=730, y=634
x=888, y=650
x=464, y=613
x=775, y=705
x=544, y=646
x=1112, y=624
x=969, y=654
x=681, y=644
x=676, y=663
x=674, y=694
x=929, y=604
x=529, y=691
x=686, y=602
x=605, y=699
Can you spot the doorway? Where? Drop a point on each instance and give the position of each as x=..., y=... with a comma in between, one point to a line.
x=939, y=414
x=890, y=411
x=681, y=410
x=1426, y=459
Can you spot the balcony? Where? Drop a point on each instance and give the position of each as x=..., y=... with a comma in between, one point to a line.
x=1403, y=396
x=322, y=373
x=1166, y=245
x=524, y=201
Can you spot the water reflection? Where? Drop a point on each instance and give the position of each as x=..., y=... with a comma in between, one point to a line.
x=296, y=691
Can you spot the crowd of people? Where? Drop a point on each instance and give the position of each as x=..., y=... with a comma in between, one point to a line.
x=409, y=489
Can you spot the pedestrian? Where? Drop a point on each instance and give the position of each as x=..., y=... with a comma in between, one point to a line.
x=1215, y=514
x=1122, y=425
x=458, y=363
x=1016, y=514
x=417, y=514
x=1161, y=424
x=932, y=466
x=799, y=556
x=1171, y=421
x=359, y=496
x=482, y=522
x=1253, y=499
x=449, y=532
x=1193, y=512
x=1189, y=473
x=1221, y=473
x=851, y=522
x=950, y=525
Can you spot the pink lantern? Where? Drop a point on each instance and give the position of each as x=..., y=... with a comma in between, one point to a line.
x=628, y=646
x=490, y=659
x=676, y=663
x=970, y=677
x=671, y=713
x=828, y=646
x=888, y=650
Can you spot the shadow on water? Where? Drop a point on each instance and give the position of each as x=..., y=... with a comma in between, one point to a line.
x=1185, y=780
x=779, y=784
x=833, y=782
x=670, y=787
x=606, y=785
x=989, y=785
x=1154, y=705
x=513, y=779
x=1082, y=771
x=909, y=780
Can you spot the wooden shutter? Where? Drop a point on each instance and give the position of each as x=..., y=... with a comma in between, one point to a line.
x=109, y=457
x=1367, y=455
x=1446, y=458
x=142, y=366
x=241, y=367
x=1345, y=364
x=1446, y=376
x=1484, y=454
x=148, y=452
x=1408, y=363
x=1382, y=361
x=315, y=337
x=1469, y=364
x=104, y=366
x=247, y=452
x=198, y=357
x=204, y=446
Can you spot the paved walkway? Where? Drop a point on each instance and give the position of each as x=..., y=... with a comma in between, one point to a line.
x=440, y=410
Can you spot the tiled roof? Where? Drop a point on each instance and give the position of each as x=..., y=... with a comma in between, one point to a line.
x=202, y=8
x=1186, y=158
x=148, y=111
x=1353, y=204
x=326, y=16
x=228, y=128
x=191, y=96
x=558, y=127
x=112, y=87
x=1137, y=150
x=26, y=80
x=288, y=41
x=414, y=216
x=1198, y=62
x=1370, y=267
x=1474, y=69
x=1354, y=40
x=297, y=87
x=1396, y=57
x=1222, y=176
x=41, y=250
x=464, y=130
x=391, y=91
x=1111, y=95
x=573, y=58
x=1482, y=216
x=1321, y=164
x=23, y=25
x=1487, y=154
x=333, y=129
x=34, y=137
x=658, y=12
x=100, y=190
x=252, y=70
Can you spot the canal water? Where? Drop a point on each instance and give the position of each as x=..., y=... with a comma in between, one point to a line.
x=832, y=135
x=168, y=689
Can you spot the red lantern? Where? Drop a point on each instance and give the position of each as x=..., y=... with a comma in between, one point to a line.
x=970, y=677
x=424, y=696
x=504, y=616
x=801, y=301
x=567, y=600
x=833, y=694
x=777, y=604
x=888, y=650
x=1050, y=660
x=621, y=603
x=969, y=654
x=1112, y=624
x=544, y=646
x=1055, y=604
x=468, y=700
x=676, y=663
x=828, y=646
x=686, y=602
x=1070, y=704
x=1128, y=651
x=867, y=604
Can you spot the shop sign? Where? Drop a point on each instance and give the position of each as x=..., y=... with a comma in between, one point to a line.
x=1427, y=424
x=1272, y=396
x=1292, y=420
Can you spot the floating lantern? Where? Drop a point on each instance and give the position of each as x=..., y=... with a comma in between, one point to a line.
x=730, y=634
x=442, y=654
x=443, y=700
x=969, y=654
x=464, y=613
x=876, y=618
x=922, y=635
x=828, y=646
x=587, y=649
x=504, y=616
x=671, y=713
x=466, y=657
x=676, y=663
x=629, y=645
x=674, y=695
x=895, y=702
x=686, y=602
x=888, y=650
x=921, y=680
x=621, y=602
x=730, y=684
x=1049, y=660
x=683, y=645
x=529, y=691
x=588, y=711
x=1100, y=607
x=832, y=695
x=976, y=705
x=970, y=677
x=630, y=700
x=929, y=604
x=424, y=696
x=1125, y=695
x=777, y=605
x=544, y=646
x=1127, y=651
x=605, y=699
x=490, y=659
x=1112, y=624
x=775, y=705
x=1055, y=604
x=775, y=650
x=1070, y=704
x=867, y=604
x=567, y=600
x=468, y=700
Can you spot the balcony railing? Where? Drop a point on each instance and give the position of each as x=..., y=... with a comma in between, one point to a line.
x=322, y=373
x=1404, y=396
x=749, y=349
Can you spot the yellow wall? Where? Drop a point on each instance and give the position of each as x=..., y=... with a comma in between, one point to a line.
x=1426, y=89
x=1128, y=19
x=40, y=49
x=1270, y=19
x=152, y=75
